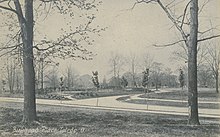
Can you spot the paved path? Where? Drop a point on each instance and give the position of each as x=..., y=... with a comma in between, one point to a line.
x=110, y=103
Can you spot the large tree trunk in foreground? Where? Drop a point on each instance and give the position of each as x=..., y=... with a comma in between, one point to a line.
x=192, y=65
x=26, y=24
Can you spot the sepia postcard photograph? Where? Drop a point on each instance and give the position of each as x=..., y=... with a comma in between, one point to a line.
x=109, y=68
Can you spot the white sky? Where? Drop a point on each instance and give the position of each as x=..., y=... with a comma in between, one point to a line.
x=135, y=31
x=130, y=31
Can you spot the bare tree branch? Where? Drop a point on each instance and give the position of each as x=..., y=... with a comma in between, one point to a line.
x=1, y=1
x=204, y=4
x=141, y=1
x=170, y=44
x=16, y=11
x=86, y=29
x=12, y=38
x=8, y=51
x=19, y=12
x=15, y=46
x=208, y=38
x=170, y=3
x=174, y=21
x=174, y=43
x=184, y=14
x=9, y=9
x=206, y=31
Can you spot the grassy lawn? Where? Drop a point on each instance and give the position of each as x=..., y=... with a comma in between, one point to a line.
x=181, y=96
x=94, y=123
x=204, y=94
x=101, y=93
x=174, y=104
x=76, y=94
x=53, y=96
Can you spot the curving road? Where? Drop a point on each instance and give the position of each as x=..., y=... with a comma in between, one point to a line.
x=110, y=103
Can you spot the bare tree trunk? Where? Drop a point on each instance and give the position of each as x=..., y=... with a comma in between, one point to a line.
x=68, y=77
x=133, y=73
x=26, y=24
x=38, y=77
x=18, y=81
x=11, y=75
x=192, y=65
x=216, y=82
x=42, y=75
x=115, y=79
x=54, y=80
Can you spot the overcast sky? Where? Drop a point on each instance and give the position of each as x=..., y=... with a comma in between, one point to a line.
x=131, y=32
x=135, y=31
